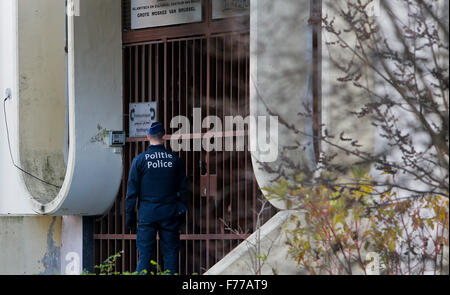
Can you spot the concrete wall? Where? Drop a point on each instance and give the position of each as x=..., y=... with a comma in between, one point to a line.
x=33, y=66
x=72, y=245
x=42, y=93
x=339, y=99
x=30, y=245
x=269, y=240
x=41, y=115
x=281, y=85
x=44, y=245
x=14, y=197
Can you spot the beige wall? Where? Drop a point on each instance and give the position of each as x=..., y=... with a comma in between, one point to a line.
x=42, y=93
x=30, y=245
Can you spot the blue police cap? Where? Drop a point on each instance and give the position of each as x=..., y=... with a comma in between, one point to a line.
x=156, y=128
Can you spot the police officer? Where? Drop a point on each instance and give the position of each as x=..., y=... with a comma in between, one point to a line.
x=158, y=180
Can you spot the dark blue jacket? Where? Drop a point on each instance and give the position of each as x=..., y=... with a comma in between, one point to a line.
x=158, y=179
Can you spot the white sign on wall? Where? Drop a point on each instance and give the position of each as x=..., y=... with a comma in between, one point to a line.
x=142, y=115
x=157, y=13
x=230, y=8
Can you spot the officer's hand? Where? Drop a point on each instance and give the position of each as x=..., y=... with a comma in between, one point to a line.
x=131, y=222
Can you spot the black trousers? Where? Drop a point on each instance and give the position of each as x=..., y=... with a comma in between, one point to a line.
x=169, y=235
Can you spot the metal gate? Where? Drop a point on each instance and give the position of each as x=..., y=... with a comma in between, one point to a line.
x=209, y=71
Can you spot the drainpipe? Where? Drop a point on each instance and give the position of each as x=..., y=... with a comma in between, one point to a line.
x=315, y=22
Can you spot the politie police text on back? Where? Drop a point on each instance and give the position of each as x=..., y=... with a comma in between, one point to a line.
x=157, y=160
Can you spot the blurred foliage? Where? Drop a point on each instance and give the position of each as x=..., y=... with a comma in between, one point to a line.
x=339, y=227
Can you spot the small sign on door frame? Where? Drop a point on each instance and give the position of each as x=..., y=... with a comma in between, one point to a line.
x=141, y=117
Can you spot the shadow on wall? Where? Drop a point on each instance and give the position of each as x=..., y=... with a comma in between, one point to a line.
x=281, y=86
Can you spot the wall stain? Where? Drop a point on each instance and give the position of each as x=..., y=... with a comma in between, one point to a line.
x=48, y=167
x=101, y=135
x=52, y=257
